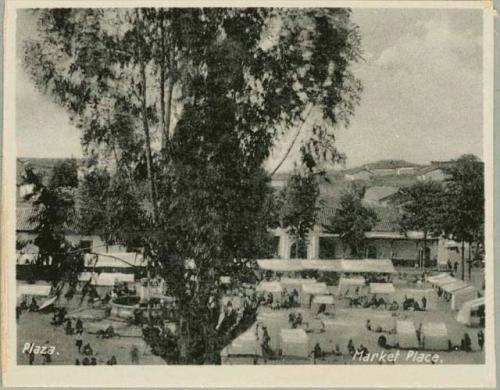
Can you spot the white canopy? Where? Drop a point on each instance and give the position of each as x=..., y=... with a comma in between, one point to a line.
x=294, y=342
x=349, y=285
x=454, y=286
x=435, y=336
x=39, y=290
x=323, y=299
x=368, y=266
x=106, y=279
x=272, y=287
x=433, y=278
x=464, y=315
x=279, y=265
x=407, y=335
x=114, y=260
x=323, y=265
x=382, y=288
x=445, y=280
x=245, y=344
x=463, y=295
x=315, y=288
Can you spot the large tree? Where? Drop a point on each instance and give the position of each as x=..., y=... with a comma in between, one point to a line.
x=465, y=203
x=185, y=105
x=422, y=207
x=352, y=220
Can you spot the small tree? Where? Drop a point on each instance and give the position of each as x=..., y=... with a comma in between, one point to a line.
x=352, y=220
x=465, y=203
x=298, y=207
x=422, y=209
x=53, y=203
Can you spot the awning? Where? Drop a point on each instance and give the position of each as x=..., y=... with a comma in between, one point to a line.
x=323, y=299
x=454, y=286
x=114, y=260
x=437, y=277
x=323, y=265
x=315, y=288
x=435, y=329
x=272, y=287
x=443, y=281
x=278, y=265
x=382, y=288
x=368, y=266
x=41, y=290
x=106, y=279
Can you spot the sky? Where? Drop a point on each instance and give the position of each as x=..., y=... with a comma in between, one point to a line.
x=422, y=97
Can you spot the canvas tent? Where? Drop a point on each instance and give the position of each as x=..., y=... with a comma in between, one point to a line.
x=294, y=342
x=470, y=312
x=106, y=279
x=435, y=336
x=320, y=300
x=114, y=260
x=295, y=283
x=450, y=288
x=348, y=286
x=309, y=290
x=275, y=288
x=443, y=281
x=434, y=278
x=383, y=266
x=274, y=321
x=461, y=296
x=323, y=265
x=407, y=335
x=359, y=266
x=245, y=344
x=25, y=291
x=279, y=265
x=382, y=288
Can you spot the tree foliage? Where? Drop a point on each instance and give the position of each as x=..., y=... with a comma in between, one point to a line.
x=352, y=220
x=183, y=106
x=297, y=206
x=54, y=216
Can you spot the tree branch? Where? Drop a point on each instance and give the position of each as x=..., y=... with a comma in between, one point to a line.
x=293, y=141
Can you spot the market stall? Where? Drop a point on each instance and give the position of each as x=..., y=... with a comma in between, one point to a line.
x=309, y=290
x=472, y=312
x=294, y=343
x=435, y=336
x=406, y=335
x=322, y=303
x=274, y=288
x=347, y=287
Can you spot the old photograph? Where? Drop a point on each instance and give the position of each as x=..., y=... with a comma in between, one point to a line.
x=259, y=186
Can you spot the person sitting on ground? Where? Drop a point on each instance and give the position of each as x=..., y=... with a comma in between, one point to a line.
x=33, y=305
x=112, y=361
x=362, y=350
x=291, y=318
x=298, y=321
x=87, y=350
x=93, y=361
x=86, y=361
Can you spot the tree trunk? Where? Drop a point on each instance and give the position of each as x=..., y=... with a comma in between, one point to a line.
x=162, y=77
x=463, y=260
x=424, y=253
x=149, y=164
x=470, y=261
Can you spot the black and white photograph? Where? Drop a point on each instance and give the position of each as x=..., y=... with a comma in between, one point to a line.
x=250, y=186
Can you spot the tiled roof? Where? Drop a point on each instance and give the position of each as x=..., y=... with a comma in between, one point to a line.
x=377, y=193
